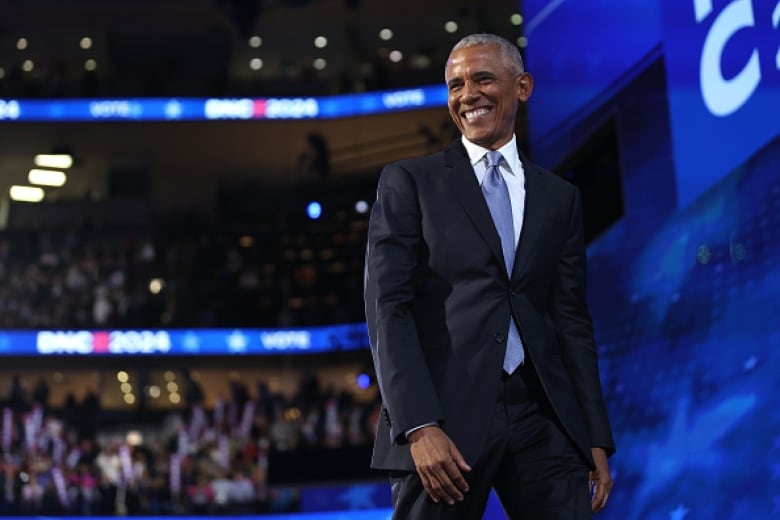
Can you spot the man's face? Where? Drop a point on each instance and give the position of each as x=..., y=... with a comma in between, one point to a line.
x=484, y=94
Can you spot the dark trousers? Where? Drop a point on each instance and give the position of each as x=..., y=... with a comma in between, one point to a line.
x=532, y=465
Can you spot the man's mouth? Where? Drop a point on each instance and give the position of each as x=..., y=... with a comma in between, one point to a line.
x=476, y=113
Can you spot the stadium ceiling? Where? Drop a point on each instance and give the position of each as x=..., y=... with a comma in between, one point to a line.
x=52, y=48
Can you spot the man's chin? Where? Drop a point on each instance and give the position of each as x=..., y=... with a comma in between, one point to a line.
x=476, y=136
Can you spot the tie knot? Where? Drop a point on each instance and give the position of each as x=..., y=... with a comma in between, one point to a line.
x=494, y=158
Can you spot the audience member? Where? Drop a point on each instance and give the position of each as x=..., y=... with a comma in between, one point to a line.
x=212, y=462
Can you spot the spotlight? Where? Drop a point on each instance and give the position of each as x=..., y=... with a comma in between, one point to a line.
x=363, y=381
x=314, y=210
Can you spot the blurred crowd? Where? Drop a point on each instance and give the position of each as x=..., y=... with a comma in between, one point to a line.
x=73, y=279
x=201, y=461
x=76, y=279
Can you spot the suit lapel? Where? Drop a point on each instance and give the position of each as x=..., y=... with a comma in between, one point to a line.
x=463, y=182
x=533, y=219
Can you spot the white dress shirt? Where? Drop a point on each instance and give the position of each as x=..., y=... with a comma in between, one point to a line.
x=512, y=170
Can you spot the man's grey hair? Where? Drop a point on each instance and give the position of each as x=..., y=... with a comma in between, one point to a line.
x=510, y=54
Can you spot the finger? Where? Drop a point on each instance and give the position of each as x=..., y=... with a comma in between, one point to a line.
x=446, y=475
x=459, y=460
x=600, y=506
x=453, y=469
x=448, y=490
x=438, y=485
x=440, y=489
x=600, y=496
x=457, y=482
x=456, y=472
x=427, y=485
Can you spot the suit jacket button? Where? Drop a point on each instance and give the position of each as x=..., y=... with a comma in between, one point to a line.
x=500, y=337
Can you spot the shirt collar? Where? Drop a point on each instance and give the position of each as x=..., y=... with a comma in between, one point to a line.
x=508, y=151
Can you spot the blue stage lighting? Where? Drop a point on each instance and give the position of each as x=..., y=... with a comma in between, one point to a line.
x=363, y=381
x=314, y=210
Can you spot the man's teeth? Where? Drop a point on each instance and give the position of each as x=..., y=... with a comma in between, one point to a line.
x=476, y=113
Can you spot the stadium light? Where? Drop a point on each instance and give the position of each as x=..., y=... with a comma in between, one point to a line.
x=52, y=178
x=59, y=160
x=26, y=193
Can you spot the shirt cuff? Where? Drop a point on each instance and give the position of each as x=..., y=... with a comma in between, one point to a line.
x=409, y=432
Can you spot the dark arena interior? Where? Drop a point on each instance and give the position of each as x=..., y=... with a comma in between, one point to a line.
x=182, y=322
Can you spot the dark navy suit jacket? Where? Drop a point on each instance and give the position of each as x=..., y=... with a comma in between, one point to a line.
x=438, y=303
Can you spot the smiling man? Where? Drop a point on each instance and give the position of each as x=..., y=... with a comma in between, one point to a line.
x=480, y=333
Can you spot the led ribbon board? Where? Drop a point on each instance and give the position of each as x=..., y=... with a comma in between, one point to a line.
x=185, y=342
x=210, y=109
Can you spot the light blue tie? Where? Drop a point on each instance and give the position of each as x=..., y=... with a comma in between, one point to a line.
x=497, y=196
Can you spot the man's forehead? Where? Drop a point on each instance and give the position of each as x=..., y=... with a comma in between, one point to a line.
x=488, y=53
x=484, y=60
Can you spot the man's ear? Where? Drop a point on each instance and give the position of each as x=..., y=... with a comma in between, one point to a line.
x=524, y=84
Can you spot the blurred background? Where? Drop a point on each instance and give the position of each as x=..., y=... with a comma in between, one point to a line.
x=184, y=195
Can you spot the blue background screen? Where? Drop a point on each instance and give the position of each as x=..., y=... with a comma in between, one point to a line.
x=685, y=286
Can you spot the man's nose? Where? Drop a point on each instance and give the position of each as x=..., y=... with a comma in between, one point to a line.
x=470, y=91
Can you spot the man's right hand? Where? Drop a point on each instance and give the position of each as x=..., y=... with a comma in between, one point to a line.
x=439, y=464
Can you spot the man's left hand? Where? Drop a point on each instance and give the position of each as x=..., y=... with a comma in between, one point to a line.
x=600, y=480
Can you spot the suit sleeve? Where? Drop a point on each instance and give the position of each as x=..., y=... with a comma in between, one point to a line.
x=392, y=265
x=574, y=329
